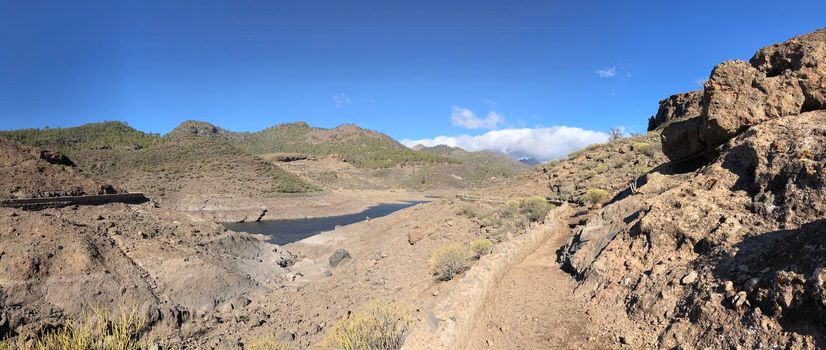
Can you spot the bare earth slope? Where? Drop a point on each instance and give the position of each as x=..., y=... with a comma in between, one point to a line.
x=178, y=270
x=59, y=176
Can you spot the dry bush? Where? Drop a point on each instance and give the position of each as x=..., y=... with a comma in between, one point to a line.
x=595, y=195
x=536, y=208
x=486, y=221
x=449, y=261
x=467, y=210
x=481, y=247
x=644, y=148
x=381, y=325
x=98, y=331
x=269, y=343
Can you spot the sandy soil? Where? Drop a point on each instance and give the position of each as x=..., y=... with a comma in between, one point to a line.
x=313, y=295
x=533, y=308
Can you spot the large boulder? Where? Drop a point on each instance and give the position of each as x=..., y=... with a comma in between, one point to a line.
x=677, y=107
x=682, y=139
x=738, y=95
x=780, y=80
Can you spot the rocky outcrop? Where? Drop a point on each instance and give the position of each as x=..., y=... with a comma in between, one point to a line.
x=26, y=172
x=780, y=80
x=676, y=107
x=738, y=95
x=695, y=256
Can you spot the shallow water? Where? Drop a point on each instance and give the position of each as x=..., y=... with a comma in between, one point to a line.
x=291, y=230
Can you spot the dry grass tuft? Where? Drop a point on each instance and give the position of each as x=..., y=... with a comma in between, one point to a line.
x=98, y=331
x=449, y=261
x=595, y=196
x=381, y=325
x=269, y=343
x=481, y=247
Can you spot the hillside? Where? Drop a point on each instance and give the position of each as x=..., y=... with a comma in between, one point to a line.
x=198, y=162
x=360, y=147
x=351, y=158
x=608, y=168
x=469, y=169
x=170, y=170
x=111, y=135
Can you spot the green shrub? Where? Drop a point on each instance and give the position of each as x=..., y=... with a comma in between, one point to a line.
x=536, y=208
x=595, y=195
x=449, y=261
x=380, y=326
x=481, y=247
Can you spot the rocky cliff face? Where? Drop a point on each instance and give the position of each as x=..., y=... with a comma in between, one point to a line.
x=780, y=80
x=724, y=251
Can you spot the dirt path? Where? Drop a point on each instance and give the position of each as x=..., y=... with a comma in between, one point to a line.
x=533, y=308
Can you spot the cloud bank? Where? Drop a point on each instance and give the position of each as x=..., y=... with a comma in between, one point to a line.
x=465, y=118
x=540, y=143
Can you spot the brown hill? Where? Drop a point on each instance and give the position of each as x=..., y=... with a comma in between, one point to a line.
x=175, y=171
x=58, y=174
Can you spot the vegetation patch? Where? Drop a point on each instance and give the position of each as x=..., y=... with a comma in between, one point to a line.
x=536, y=208
x=644, y=148
x=481, y=247
x=500, y=222
x=380, y=326
x=97, y=331
x=449, y=261
x=269, y=343
x=595, y=196
x=111, y=135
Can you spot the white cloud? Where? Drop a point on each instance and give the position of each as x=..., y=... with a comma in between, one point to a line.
x=539, y=143
x=467, y=119
x=607, y=72
x=341, y=100
x=612, y=71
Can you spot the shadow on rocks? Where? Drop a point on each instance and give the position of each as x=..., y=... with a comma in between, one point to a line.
x=781, y=273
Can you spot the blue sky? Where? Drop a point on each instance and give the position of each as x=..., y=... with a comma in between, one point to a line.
x=414, y=70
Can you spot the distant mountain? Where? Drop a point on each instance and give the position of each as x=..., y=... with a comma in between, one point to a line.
x=361, y=147
x=529, y=161
x=198, y=159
